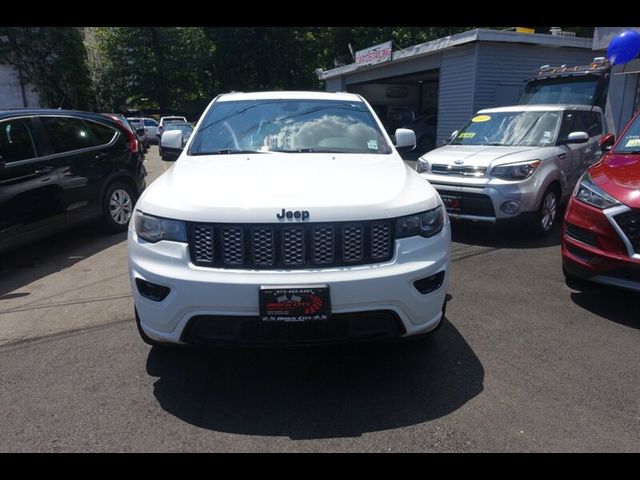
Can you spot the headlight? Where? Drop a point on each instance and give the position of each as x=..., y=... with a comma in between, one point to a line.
x=515, y=171
x=422, y=166
x=425, y=224
x=588, y=192
x=153, y=229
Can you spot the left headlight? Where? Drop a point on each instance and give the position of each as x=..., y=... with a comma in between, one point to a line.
x=515, y=171
x=153, y=229
x=589, y=193
x=425, y=224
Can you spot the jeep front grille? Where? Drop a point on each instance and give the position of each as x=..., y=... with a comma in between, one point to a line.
x=291, y=246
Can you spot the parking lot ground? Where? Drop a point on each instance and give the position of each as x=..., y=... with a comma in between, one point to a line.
x=523, y=363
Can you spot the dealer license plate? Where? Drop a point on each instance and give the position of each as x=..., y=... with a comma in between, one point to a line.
x=295, y=304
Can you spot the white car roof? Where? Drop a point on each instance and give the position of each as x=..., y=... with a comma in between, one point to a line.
x=236, y=96
x=539, y=108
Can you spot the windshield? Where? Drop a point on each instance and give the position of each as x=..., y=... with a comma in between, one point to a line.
x=535, y=129
x=566, y=90
x=177, y=126
x=630, y=143
x=289, y=126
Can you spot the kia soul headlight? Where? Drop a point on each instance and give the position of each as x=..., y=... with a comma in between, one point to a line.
x=425, y=224
x=153, y=229
x=515, y=171
x=589, y=193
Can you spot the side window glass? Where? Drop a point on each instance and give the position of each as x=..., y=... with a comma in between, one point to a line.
x=569, y=124
x=593, y=124
x=102, y=133
x=67, y=134
x=150, y=123
x=16, y=141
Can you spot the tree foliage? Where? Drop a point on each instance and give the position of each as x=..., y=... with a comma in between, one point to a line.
x=53, y=60
x=180, y=69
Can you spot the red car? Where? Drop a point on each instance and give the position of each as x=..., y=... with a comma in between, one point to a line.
x=601, y=231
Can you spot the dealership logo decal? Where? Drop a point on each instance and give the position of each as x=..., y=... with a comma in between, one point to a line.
x=300, y=215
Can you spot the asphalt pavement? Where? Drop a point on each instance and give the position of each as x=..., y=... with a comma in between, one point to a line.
x=523, y=363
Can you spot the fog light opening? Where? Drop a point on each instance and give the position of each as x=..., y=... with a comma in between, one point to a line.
x=152, y=291
x=510, y=208
x=429, y=284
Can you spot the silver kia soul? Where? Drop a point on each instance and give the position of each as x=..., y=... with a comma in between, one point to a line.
x=515, y=163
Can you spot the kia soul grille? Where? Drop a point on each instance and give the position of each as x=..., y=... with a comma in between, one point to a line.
x=290, y=246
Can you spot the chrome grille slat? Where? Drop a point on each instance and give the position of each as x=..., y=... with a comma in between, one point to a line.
x=203, y=244
x=380, y=240
x=233, y=246
x=323, y=245
x=629, y=223
x=291, y=246
x=263, y=246
x=462, y=170
x=353, y=243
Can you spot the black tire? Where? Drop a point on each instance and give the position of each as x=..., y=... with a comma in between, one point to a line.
x=148, y=340
x=549, y=205
x=122, y=194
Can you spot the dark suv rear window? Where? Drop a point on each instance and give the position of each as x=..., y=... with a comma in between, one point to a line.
x=67, y=134
x=16, y=141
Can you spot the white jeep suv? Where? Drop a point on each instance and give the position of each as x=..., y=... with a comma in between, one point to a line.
x=289, y=218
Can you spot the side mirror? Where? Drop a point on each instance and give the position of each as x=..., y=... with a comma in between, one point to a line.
x=405, y=140
x=577, y=137
x=171, y=139
x=607, y=141
x=140, y=131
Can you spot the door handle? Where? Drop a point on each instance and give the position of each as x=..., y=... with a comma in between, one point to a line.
x=562, y=155
x=43, y=170
x=101, y=156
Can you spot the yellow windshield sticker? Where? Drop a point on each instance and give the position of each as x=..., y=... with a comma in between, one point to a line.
x=634, y=142
x=467, y=135
x=481, y=118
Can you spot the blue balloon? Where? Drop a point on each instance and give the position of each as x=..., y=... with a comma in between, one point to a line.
x=624, y=47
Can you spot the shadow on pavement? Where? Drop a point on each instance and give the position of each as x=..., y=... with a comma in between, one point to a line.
x=320, y=392
x=616, y=305
x=23, y=265
x=498, y=236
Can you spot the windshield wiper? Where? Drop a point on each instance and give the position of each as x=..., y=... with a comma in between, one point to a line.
x=228, y=151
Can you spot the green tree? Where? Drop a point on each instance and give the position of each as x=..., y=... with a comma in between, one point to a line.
x=162, y=68
x=53, y=60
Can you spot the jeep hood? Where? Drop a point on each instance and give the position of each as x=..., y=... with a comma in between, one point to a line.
x=254, y=187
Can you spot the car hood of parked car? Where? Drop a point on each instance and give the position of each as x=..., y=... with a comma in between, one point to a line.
x=483, y=155
x=619, y=176
x=252, y=188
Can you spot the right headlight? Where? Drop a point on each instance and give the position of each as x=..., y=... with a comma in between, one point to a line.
x=425, y=224
x=422, y=166
x=515, y=171
x=588, y=192
x=153, y=229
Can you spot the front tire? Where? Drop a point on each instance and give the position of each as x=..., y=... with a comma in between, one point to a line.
x=547, y=214
x=117, y=207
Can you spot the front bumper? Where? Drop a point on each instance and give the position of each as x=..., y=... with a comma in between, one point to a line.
x=593, y=250
x=483, y=198
x=215, y=293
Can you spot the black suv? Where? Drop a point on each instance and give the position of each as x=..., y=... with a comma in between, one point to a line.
x=59, y=168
